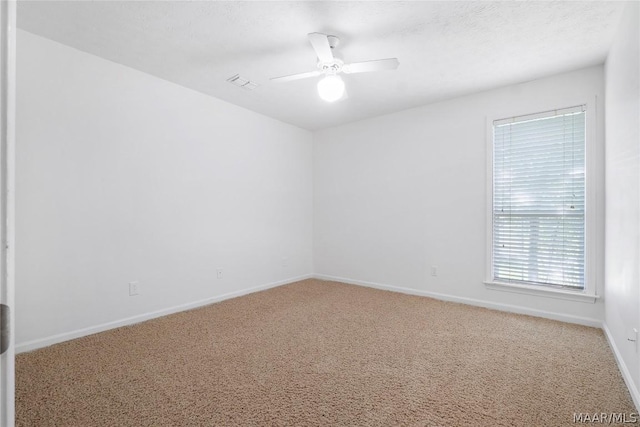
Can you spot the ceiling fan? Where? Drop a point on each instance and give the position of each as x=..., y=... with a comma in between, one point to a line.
x=331, y=87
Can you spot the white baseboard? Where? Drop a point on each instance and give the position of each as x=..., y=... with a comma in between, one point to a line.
x=633, y=390
x=55, y=339
x=596, y=323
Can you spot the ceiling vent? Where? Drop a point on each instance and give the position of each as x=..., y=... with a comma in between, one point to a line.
x=240, y=81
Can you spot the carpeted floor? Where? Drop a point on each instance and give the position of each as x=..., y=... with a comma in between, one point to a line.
x=317, y=353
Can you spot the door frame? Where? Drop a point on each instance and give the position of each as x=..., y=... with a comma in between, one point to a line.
x=7, y=186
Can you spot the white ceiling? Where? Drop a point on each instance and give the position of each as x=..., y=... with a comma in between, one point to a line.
x=446, y=49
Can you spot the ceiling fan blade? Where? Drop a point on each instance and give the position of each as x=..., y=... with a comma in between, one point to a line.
x=320, y=44
x=367, y=66
x=296, y=76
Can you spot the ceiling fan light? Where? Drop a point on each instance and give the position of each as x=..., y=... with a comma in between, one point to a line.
x=331, y=88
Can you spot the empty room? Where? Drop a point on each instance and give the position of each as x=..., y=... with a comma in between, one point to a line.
x=319, y=213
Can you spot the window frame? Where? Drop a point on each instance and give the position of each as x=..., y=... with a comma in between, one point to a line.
x=593, y=223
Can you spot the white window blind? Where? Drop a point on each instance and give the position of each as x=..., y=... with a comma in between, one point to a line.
x=539, y=199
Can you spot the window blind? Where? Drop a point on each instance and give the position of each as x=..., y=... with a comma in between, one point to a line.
x=539, y=199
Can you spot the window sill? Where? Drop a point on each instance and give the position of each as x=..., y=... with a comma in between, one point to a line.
x=542, y=291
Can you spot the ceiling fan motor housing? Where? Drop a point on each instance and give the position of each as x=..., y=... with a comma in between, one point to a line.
x=335, y=66
x=333, y=41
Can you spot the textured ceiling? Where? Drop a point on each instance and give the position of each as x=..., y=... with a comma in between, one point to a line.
x=446, y=49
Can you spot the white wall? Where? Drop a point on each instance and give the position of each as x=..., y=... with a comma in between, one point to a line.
x=622, y=274
x=122, y=176
x=396, y=194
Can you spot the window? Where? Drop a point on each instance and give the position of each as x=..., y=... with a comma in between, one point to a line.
x=538, y=204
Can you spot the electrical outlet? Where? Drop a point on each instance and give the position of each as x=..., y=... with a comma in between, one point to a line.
x=434, y=270
x=219, y=274
x=134, y=289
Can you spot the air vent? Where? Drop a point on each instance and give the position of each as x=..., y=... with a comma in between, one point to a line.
x=240, y=81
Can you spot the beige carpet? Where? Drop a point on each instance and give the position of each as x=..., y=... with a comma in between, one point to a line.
x=319, y=353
